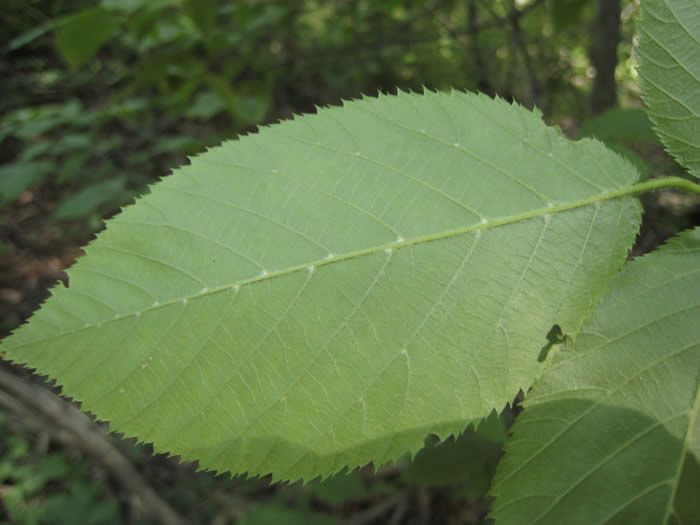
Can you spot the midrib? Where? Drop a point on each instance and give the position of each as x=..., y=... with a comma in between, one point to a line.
x=554, y=209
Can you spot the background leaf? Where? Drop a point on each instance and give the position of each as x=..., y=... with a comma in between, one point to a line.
x=669, y=54
x=340, y=488
x=202, y=12
x=89, y=199
x=627, y=124
x=469, y=459
x=82, y=35
x=616, y=420
x=567, y=12
x=328, y=291
x=273, y=514
x=14, y=179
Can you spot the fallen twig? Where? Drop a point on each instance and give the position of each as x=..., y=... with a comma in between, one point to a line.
x=75, y=427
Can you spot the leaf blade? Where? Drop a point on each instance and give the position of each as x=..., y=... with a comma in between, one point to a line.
x=669, y=73
x=311, y=307
x=617, y=415
x=82, y=35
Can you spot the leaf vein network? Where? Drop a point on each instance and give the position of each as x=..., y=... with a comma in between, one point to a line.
x=543, y=153
x=460, y=148
x=256, y=214
x=199, y=235
x=417, y=180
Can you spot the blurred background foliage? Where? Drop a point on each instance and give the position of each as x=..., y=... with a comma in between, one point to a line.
x=102, y=97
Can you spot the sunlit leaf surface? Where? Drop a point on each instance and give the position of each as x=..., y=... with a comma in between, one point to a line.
x=327, y=291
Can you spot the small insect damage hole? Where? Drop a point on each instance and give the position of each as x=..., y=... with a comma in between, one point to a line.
x=555, y=336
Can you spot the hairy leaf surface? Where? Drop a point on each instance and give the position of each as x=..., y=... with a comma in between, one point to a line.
x=328, y=291
x=616, y=420
x=669, y=53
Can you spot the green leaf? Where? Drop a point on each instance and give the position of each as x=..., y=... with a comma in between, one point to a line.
x=223, y=89
x=129, y=6
x=645, y=170
x=611, y=434
x=340, y=488
x=469, y=459
x=629, y=124
x=203, y=14
x=33, y=34
x=89, y=199
x=273, y=514
x=252, y=109
x=17, y=177
x=205, y=106
x=567, y=12
x=669, y=55
x=330, y=290
x=83, y=34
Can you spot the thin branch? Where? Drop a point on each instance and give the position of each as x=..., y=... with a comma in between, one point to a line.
x=77, y=428
x=484, y=82
x=521, y=45
x=603, y=55
x=513, y=20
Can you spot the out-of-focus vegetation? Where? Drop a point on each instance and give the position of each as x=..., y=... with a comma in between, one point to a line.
x=102, y=97
x=46, y=486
